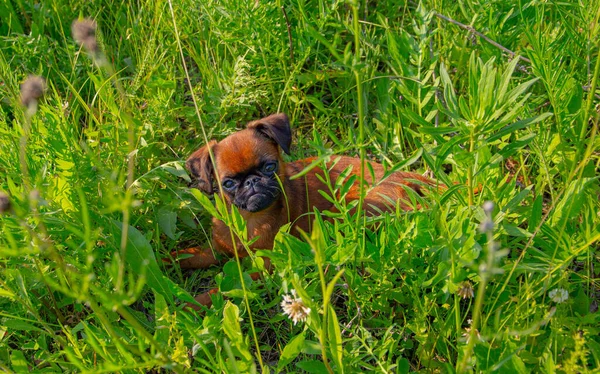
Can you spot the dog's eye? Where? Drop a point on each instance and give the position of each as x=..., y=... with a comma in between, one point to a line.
x=270, y=167
x=228, y=184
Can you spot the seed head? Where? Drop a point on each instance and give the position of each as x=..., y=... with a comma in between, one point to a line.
x=32, y=90
x=84, y=33
x=4, y=203
x=466, y=290
x=466, y=337
x=488, y=207
x=488, y=223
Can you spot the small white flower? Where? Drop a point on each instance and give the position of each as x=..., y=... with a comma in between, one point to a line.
x=559, y=295
x=294, y=307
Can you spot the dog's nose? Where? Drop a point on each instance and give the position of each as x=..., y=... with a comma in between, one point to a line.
x=251, y=181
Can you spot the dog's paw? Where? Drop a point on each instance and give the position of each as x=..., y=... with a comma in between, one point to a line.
x=192, y=258
x=203, y=299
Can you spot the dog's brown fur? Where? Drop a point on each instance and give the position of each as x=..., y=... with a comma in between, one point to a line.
x=240, y=154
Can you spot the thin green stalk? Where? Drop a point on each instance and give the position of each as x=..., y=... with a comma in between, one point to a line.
x=323, y=326
x=591, y=92
x=456, y=296
x=212, y=159
x=361, y=117
x=470, y=168
x=485, y=275
x=22, y=154
x=126, y=115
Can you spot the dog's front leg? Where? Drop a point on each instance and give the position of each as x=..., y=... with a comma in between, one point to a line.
x=204, y=298
x=202, y=258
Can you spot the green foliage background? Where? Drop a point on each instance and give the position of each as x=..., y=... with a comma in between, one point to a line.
x=391, y=81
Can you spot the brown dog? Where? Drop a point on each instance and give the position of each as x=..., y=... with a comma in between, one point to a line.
x=251, y=172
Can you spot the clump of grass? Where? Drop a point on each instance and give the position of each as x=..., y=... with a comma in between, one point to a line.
x=495, y=100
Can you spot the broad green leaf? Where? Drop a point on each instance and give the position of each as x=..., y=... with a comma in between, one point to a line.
x=548, y=363
x=581, y=302
x=536, y=213
x=167, y=221
x=19, y=362
x=292, y=349
x=177, y=170
x=311, y=347
x=334, y=336
x=231, y=327
x=6, y=293
x=205, y=202
x=139, y=254
x=20, y=325
x=161, y=315
x=403, y=366
x=312, y=366
x=442, y=273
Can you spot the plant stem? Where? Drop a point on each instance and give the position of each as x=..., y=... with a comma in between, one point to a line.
x=470, y=168
x=361, y=116
x=323, y=327
x=485, y=274
x=482, y=36
x=221, y=193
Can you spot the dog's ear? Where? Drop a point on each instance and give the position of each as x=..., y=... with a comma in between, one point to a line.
x=201, y=167
x=275, y=127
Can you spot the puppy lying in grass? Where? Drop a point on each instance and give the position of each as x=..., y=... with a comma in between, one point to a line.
x=247, y=168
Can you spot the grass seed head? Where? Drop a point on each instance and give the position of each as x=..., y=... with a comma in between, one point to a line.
x=488, y=207
x=488, y=224
x=84, y=33
x=466, y=290
x=32, y=90
x=4, y=203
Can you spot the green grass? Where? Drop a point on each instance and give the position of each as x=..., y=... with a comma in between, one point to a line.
x=401, y=86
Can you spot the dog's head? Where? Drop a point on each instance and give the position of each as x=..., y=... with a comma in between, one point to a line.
x=247, y=163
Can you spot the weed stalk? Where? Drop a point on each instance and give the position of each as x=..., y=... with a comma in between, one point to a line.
x=221, y=193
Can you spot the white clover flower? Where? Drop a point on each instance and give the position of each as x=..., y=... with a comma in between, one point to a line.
x=559, y=295
x=294, y=307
